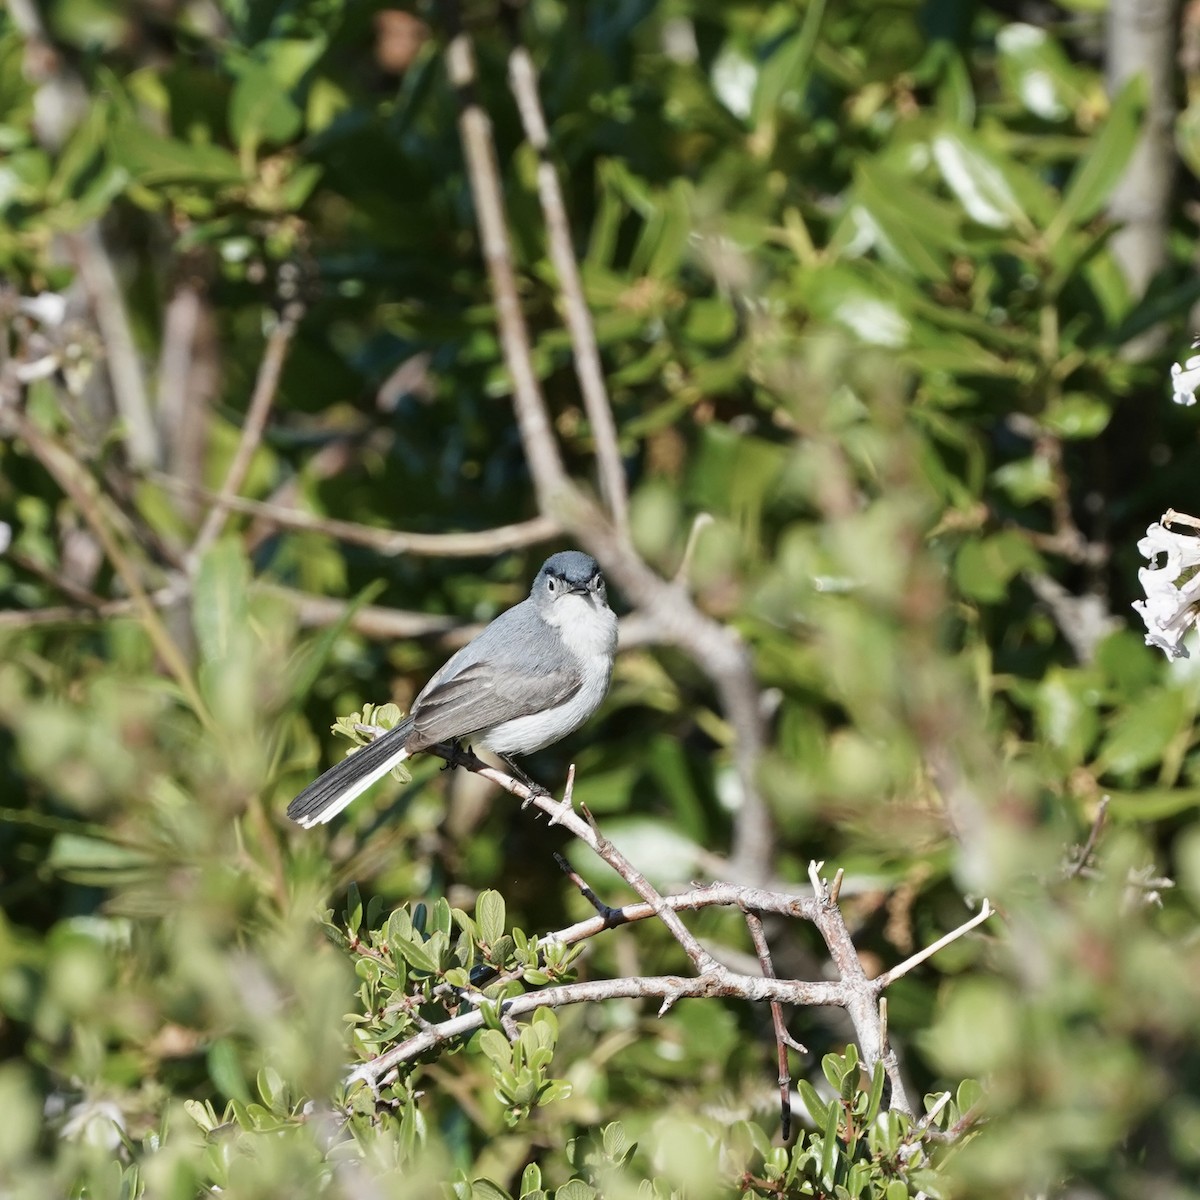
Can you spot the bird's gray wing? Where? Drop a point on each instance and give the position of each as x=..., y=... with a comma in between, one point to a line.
x=486, y=694
x=515, y=667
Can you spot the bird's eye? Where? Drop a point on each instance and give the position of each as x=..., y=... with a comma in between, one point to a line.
x=550, y=584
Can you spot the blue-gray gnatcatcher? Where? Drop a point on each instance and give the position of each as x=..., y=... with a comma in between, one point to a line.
x=535, y=674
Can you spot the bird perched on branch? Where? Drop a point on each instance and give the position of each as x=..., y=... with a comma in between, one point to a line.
x=535, y=674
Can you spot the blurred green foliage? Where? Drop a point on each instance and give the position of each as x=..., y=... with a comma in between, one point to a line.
x=850, y=274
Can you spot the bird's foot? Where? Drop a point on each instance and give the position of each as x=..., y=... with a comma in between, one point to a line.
x=535, y=788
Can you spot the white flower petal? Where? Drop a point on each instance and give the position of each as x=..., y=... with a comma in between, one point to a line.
x=1169, y=609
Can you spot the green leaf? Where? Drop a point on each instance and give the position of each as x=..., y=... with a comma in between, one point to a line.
x=497, y=1047
x=1152, y=804
x=414, y=953
x=225, y=1070
x=615, y=1141
x=1078, y=415
x=354, y=908
x=1140, y=734
x=1026, y=480
x=979, y=181
x=556, y=1089
x=261, y=108
x=153, y=160
x=818, y=1109
x=830, y=1149
x=575, y=1189
x=202, y=1114
x=490, y=916
x=531, y=1179
x=970, y=1092
x=219, y=608
x=1104, y=164
x=984, y=567
x=485, y=1189
x=875, y=1097
x=1065, y=705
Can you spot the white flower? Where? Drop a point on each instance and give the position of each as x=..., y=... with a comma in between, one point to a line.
x=5, y=536
x=1184, y=381
x=50, y=308
x=99, y=1123
x=1171, y=607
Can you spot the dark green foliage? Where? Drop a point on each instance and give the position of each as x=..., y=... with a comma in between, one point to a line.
x=854, y=291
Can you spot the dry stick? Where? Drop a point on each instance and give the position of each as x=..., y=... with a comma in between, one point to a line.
x=854, y=992
x=861, y=997
x=385, y=541
x=80, y=595
x=667, y=988
x=889, y=977
x=125, y=370
x=79, y=487
x=265, y=387
x=609, y=916
x=718, y=650
x=755, y=925
x=588, y=832
x=370, y=620
x=588, y=368
x=1093, y=836
x=475, y=129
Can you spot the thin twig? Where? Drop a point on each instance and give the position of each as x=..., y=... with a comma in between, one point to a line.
x=475, y=128
x=586, y=355
x=755, y=925
x=485, y=542
x=584, y=828
x=1093, y=836
x=662, y=987
x=265, y=387
x=699, y=523
x=889, y=977
x=130, y=393
x=79, y=595
x=717, y=649
x=611, y=916
x=80, y=488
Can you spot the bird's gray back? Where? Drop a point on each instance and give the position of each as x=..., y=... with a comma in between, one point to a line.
x=516, y=666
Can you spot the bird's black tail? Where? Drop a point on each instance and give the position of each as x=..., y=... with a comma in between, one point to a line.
x=327, y=795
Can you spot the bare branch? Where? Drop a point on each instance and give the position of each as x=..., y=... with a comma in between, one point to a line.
x=889, y=977
x=588, y=367
x=669, y=988
x=475, y=128
x=1085, y=853
x=124, y=366
x=782, y=1040
x=718, y=650
x=1141, y=40
x=854, y=991
x=81, y=488
x=485, y=542
x=586, y=830
x=265, y=387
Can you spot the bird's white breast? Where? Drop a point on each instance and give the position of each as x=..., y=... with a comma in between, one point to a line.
x=589, y=633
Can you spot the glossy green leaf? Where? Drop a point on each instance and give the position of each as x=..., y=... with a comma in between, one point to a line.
x=490, y=914
x=1140, y=735
x=1100, y=169
x=978, y=180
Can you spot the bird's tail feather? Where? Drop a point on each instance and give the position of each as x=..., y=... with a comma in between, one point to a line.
x=327, y=795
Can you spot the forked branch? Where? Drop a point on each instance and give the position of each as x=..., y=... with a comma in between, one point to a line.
x=854, y=991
